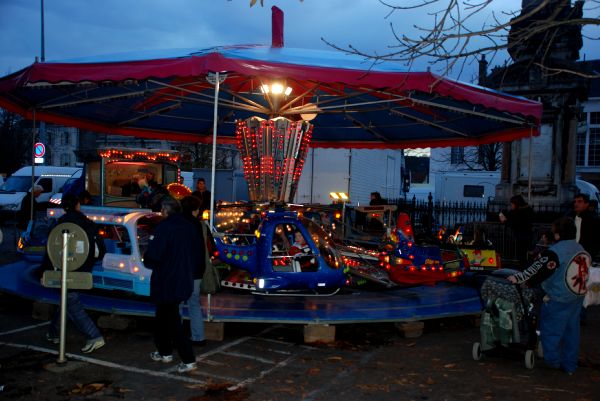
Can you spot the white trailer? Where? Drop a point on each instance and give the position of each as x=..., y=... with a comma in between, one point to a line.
x=471, y=186
x=357, y=172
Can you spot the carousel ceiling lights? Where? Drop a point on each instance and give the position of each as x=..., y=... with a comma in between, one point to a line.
x=275, y=89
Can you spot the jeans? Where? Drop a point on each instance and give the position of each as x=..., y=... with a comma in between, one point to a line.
x=559, y=327
x=78, y=316
x=195, y=313
x=168, y=333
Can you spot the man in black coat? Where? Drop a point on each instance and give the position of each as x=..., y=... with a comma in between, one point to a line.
x=587, y=223
x=172, y=256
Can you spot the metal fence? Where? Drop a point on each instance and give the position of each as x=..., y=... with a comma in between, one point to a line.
x=428, y=216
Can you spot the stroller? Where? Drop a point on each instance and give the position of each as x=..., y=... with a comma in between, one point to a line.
x=509, y=319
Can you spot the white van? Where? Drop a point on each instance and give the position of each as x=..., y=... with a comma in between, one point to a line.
x=56, y=199
x=14, y=189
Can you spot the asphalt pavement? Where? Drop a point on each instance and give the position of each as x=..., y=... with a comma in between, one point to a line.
x=271, y=362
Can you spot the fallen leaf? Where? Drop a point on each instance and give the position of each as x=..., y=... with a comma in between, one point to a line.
x=195, y=386
x=314, y=371
x=450, y=365
x=288, y=390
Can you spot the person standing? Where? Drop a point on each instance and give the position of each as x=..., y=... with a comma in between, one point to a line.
x=75, y=311
x=190, y=208
x=562, y=272
x=587, y=223
x=588, y=227
x=203, y=194
x=172, y=256
x=520, y=220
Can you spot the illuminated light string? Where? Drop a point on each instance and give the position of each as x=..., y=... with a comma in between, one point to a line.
x=120, y=154
x=273, y=154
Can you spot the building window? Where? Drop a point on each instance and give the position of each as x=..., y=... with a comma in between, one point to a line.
x=457, y=155
x=594, y=147
x=473, y=191
x=581, y=145
x=66, y=138
x=588, y=142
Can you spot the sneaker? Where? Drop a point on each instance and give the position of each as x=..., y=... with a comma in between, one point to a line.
x=186, y=367
x=156, y=356
x=52, y=339
x=93, y=344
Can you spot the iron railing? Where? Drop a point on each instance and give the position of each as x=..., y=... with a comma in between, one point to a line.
x=429, y=216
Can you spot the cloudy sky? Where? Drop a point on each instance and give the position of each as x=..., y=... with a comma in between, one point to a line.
x=81, y=28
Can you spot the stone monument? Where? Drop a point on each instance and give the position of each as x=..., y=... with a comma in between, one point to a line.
x=542, y=168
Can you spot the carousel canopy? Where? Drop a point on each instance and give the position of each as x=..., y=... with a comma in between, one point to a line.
x=351, y=102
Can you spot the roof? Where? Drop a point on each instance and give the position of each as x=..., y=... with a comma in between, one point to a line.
x=169, y=95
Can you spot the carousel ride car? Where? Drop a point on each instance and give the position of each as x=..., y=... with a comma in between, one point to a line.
x=479, y=253
x=272, y=262
x=126, y=234
x=409, y=263
x=241, y=224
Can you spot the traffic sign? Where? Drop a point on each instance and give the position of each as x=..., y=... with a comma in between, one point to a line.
x=39, y=149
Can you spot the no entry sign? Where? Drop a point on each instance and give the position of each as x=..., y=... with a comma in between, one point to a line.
x=39, y=150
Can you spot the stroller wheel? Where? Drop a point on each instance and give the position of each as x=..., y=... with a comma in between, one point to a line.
x=529, y=359
x=477, y=354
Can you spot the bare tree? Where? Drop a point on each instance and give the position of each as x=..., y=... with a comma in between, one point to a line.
x=475, y=158
x=15, y=141
x=457, y=36
x=200, y=156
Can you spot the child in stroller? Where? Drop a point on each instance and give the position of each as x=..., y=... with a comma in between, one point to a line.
x=509, y=318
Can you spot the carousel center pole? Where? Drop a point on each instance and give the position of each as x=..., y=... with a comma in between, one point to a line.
x=216, y=83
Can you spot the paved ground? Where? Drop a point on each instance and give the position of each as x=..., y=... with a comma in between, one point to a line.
x=270, y=362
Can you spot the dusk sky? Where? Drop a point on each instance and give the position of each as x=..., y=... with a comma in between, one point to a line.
x=83, y=28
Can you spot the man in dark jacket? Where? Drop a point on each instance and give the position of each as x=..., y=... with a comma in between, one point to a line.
x=587, y=223
x=75, y=311
x=172, y=256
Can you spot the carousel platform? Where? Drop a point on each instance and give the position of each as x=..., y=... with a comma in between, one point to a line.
x=396, y=305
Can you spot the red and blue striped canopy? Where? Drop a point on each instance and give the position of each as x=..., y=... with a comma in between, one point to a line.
x=358, y=103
